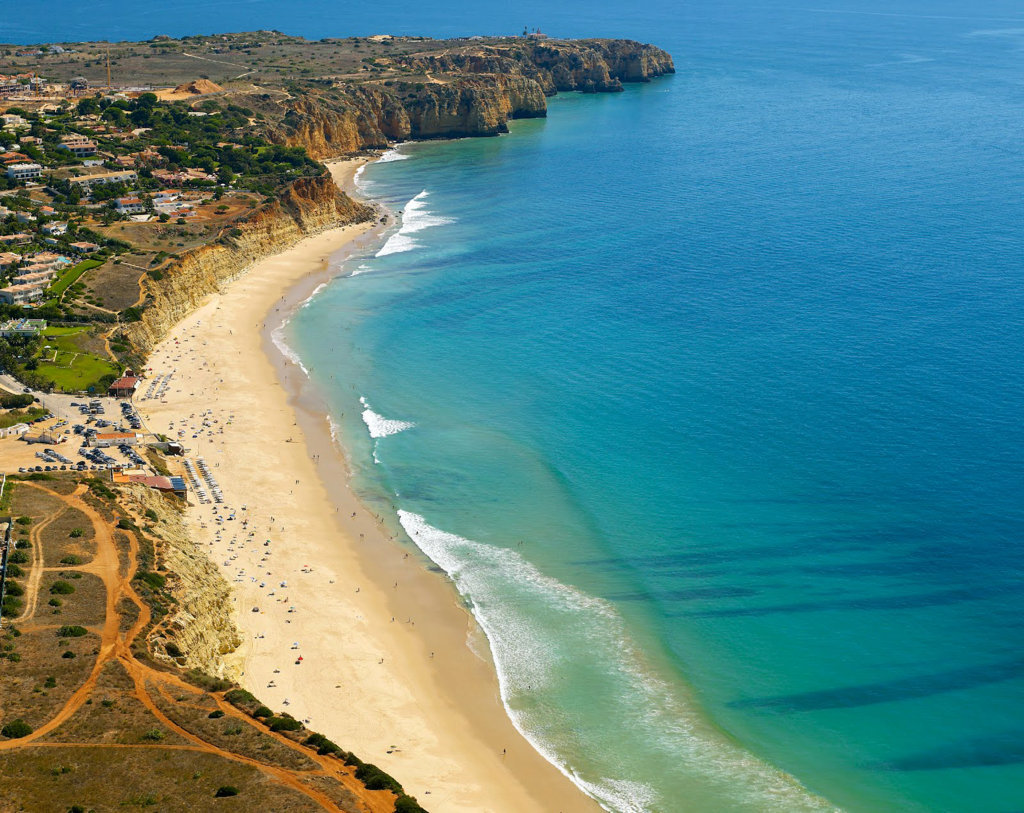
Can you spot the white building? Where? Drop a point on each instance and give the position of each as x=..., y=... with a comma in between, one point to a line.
x=12, y=121
x=129, y=206
x=87, y=182
x=24, y=172
x=20, y=294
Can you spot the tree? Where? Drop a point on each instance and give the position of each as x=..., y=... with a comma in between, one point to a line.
x=87, y=106
x=116, y=116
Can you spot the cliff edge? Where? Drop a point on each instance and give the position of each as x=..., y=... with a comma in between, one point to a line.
x=463, y=90
x=306, y=207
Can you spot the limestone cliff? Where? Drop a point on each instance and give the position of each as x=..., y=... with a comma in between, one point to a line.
x=307, y=206
x=469, y=90
x=201, y=626
x=596, y=66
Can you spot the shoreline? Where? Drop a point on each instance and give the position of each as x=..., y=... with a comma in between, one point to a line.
x=393, y=675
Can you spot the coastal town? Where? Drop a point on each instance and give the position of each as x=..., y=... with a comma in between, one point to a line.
x=104, y=187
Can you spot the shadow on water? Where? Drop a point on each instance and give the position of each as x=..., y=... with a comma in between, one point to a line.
x=907, y=602
x=888, y=691
x=694, y=594
x=816, y=545
x=1004, y=748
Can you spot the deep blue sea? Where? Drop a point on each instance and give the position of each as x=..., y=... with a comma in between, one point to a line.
x=708, y=394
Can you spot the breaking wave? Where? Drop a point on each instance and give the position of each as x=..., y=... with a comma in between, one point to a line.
x=544, y=634
x=415, y=219
x=379, y=426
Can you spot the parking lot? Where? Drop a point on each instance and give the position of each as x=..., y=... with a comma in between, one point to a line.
x=77, y=430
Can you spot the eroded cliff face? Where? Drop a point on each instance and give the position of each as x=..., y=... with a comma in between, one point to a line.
x=472, y=90
x=308, y=206
x=201, y=626
x=591, y=66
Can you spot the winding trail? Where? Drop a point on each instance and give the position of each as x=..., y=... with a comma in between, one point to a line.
x=117, y=646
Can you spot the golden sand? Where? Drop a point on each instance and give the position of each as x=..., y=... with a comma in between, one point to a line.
x=387, y=672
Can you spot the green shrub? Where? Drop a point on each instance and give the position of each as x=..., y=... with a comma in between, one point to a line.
x=322, y=744
x=15, y=589
x=22, y=544
x=55, y=602
x=24, y=520
x=154, y=735
x=126, y=524
x=51, y=682
x=101, y=489
x=76, y=533
x=226, y=790
x=16, y=729
x=15, y=401
x=376, y=779
x=408, y=804
x=62, y=588
x=71, y=559
x=173, y=649
x=216, y=714
x=68, y=631
x=284, y=724
x=263, y=711
x=19, y=557
x=238, y=697
x=13, y=570
x=68, y=655
x=154, y=580
x=14, y=657
x=151, y=514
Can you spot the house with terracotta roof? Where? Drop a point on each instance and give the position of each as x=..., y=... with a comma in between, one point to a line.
x=21, y=294
x=167, y=485
x=104, y=439
x=124, y=387
x=78, y=145
x=129, y=206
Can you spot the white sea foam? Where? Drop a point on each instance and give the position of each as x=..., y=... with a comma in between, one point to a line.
x=335, y=430
x=537, y=627
x=415, y=218
x=309, y=299
x=362, y=268
x=379, y=426
x=392, y=155
x=277, y=337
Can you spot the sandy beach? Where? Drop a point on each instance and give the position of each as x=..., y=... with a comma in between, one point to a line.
x=342, y=627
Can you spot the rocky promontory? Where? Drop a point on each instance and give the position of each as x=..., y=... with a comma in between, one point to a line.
x=460, y=91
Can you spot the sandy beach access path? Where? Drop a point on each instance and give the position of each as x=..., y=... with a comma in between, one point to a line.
x=386, y=671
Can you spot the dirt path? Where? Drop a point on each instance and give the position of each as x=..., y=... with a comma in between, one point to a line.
x=36, y=575
x=115, y=645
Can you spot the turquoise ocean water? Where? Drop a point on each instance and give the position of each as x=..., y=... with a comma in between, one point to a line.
x=709, y=396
